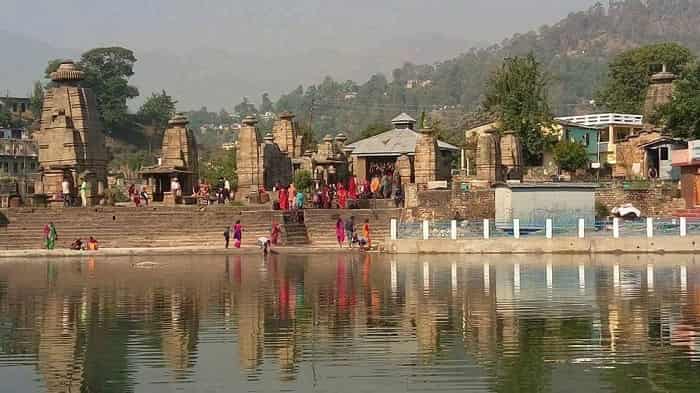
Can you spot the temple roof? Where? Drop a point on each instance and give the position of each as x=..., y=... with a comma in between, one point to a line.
x=392, y=143
x=67, y=71
x=403, y=118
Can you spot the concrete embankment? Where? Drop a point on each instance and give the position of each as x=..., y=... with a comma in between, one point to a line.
x=592, y=245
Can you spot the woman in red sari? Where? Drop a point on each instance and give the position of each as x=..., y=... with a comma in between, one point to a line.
x=342, y=197
x=326, y=197
x=284, y=198
x=352, y=188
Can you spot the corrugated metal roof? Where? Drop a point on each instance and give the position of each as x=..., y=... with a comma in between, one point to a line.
x=393, y=142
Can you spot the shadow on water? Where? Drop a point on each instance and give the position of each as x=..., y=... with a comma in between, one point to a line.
x=351, y=323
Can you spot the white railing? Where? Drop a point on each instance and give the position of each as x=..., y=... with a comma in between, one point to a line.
x=604, y=119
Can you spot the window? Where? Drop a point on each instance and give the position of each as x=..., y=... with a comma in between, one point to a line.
x=663, y=153
x=605, y=135
x=14, y=107
x=23, y=106
x=587, y=139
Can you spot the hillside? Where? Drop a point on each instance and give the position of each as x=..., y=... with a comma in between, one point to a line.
x=575, y=51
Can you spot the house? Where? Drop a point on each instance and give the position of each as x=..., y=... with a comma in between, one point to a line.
x=378, y=154
x=614, y=128
x=688, y=161
x=587, y=135
x=18, y=107
x=18, y=158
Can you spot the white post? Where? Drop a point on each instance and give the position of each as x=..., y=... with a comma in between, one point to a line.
x=394, y=229
x=581, y=228
x=426, y=230
x=650, y=227
x=684, y=227
x=453, y=230
x=616, y=227
x=548, y=228
x=486, y=229
x=516, y=228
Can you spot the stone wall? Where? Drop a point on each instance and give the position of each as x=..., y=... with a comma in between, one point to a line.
x=658, y=200
x=448, y=204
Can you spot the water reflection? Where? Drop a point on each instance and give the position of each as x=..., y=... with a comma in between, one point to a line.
x=351, y=323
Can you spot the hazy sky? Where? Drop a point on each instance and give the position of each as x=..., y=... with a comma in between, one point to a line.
x=271, y=25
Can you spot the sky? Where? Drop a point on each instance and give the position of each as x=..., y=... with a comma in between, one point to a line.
x=213, y=52
x=271, y=25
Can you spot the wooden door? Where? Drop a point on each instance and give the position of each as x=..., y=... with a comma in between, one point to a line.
x=697, y=190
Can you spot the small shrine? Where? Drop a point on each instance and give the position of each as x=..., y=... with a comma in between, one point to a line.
x=177, y=164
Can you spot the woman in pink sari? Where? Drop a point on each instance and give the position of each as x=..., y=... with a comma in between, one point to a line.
x=342, y=197
x=340, y=231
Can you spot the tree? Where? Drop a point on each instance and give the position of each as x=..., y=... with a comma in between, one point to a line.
x=245, y=108
x=5, y=118
x=266, y=105
x=37, y=100
x=628, y=75
x=570, y=156
x=222, y=163
x=682, y=115
x=517, y=94
x=107, y=73
x=157, y=110
x=303, y=180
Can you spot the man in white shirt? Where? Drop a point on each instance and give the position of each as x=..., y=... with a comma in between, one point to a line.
x=65, y=188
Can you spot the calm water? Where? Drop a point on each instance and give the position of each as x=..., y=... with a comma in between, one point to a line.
x=340, y=323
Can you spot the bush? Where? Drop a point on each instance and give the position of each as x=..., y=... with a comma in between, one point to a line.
x=601, y=211
x=303, y=180
x=570, y=156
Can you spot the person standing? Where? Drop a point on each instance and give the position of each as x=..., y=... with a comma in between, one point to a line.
x=227, y=236
x=284, y=199
x=65, y=188
x=227, y=190
x=237, y=234
x=342, y=197
x=350, y=230
x=300, y=200
x=291, y=195
x=50, y=236
x=366, y=233
x=340, y=231
x=275, y=234
x=84, y=193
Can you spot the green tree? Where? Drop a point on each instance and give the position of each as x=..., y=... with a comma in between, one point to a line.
x=570, y=156
x=37, y=100
x=5, y=118
x=107, y=73
x=682, y=115
x=222, y=163
x=157, y=110
x=266, y=105
x=517, y=94
x=245, y=108
x=303, y=180
x=628, y=75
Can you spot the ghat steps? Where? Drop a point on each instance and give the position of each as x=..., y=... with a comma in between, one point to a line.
x=123, y=227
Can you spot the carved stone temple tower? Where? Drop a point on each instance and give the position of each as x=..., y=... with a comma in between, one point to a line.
x=426, y=157
x=71, y=139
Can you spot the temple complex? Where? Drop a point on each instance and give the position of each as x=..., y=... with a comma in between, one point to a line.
x=511, y=156
x=178, y=160
x=71, y=139
x=249, y=162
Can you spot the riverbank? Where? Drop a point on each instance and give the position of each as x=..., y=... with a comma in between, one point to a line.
x=166, y=251
x=563, y=245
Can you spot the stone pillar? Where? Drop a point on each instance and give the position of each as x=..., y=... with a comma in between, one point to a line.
x=285, y=135
x=248, y=158
x=511, y=156
x=487, y=157
x=426, y=158
x=403, y=167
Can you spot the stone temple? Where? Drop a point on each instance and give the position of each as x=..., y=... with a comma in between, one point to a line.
x=178, y=159
x=71, y=139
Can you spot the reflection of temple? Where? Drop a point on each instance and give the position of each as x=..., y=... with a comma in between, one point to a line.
x=509, y=317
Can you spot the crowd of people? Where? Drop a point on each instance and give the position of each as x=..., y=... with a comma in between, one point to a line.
x=50, y=236
x=345, y=231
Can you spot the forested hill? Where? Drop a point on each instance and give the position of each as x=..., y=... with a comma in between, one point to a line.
x=575, y=51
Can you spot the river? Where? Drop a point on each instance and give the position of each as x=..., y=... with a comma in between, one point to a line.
x=351, y=323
